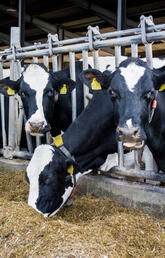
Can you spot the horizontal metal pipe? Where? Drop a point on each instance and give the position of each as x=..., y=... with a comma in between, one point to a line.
x=84, y=39
x=136, y=39
x=142, y=174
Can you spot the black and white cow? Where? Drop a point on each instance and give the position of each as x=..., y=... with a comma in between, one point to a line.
x=46, y=97
x=88, y=140
x=138, y=96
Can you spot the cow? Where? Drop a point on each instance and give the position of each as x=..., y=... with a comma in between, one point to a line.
x=46, y=97
x=53, y=170
x=138, y=96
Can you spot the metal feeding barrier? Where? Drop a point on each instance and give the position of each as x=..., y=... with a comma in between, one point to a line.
x=146, y=33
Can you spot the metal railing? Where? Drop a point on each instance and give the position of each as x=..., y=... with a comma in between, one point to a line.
x=146, y=34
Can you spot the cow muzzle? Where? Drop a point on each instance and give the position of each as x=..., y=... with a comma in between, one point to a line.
x=131, y=137
x=38, y=128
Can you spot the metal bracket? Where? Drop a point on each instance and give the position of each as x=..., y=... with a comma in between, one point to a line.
x=52, y=38
x=144, y=23
x=91, y=32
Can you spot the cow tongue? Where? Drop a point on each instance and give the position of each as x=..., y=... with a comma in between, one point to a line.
x=129, y=144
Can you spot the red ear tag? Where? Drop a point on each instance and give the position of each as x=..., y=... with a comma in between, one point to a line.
x=154, y=104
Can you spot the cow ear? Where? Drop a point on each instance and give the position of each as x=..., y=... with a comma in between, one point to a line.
x=9, y=87
x=95, y=79
x=159, y=78
x=61, y=83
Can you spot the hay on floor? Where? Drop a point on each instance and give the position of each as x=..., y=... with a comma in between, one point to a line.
x=92, y=227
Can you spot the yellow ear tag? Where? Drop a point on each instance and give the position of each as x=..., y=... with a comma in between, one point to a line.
x=70, y=169
x=10, y=91
x=162, y=87
x=63, y=89
x=58, y=141
x=95, y=84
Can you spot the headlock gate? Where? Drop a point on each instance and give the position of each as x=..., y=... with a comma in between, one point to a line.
x=146, y=34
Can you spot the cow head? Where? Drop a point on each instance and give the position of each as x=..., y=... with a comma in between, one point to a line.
x=133, y=90
x=50, y=185
x=38, y=89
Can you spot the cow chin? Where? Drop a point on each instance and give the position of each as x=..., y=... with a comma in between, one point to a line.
x=37, y=131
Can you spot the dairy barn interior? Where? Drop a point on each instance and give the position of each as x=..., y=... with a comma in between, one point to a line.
x=118, y=209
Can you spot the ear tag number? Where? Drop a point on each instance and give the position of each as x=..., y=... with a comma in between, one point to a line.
x=10, y=91
x=95, y=84
x=58, y=141
x=63, y=89
x=70, y=169
x=162, y=87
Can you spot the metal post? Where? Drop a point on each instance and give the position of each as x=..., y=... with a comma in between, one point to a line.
x=73, y=77
x=54, y=63
x=120, y=155
x=35, y=59
x=12, y=137
x=2, y=100
x=117, y=55
x=21, y=24
x=148, y=49
x=121, y=19
x=85, y=66
x=46, y=61
x=96, y=59
x=134, y=50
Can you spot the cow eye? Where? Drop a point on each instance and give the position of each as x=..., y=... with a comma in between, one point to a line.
x=22, y=94
x=113, y=94
x=149, y=95
x=50, y=93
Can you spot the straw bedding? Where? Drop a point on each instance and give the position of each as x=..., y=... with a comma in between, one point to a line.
x=92, y=227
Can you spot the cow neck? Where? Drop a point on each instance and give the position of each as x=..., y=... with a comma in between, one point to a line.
x=84, y=133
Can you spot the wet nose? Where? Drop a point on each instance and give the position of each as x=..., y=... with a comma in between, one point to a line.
x=131, y=132
x=36, y=125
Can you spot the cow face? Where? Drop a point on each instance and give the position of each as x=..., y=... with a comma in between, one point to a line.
x=38, y=89
x=132, y=90
x=50, y=184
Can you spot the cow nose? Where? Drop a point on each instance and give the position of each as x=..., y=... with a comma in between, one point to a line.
x=131, y=132
x=36, y=124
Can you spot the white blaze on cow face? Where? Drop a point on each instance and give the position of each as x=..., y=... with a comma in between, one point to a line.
x=132, y=73
x=129, y=123
x=37, y=78
x=42, y=156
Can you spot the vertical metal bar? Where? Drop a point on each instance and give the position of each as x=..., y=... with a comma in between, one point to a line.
x=85, y=66
x=73, y=77
x=148, y=49
x=136, y=160
x=21, y=24
x=121, y=18
x=120, y=154
x=2, y=98
x=117, y=55
x=54, y=63
x=134, y=50
x=29, y=139
x=38, y=138
x=12, y=137
x=96, y=59
x=35, y=59
x=46, y=61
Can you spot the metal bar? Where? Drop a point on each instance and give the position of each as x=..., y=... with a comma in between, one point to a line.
x=117, y=55
x=96, y=59
x=73, y=77
x=46, y=61
x=134, y=50
x=85, y=66
x=136, y=174
x=2, y=100
x=35, y=59
x=124, y=41
x=54, y=63
x=84, y=39
x=148, y=49
x=120, y=155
